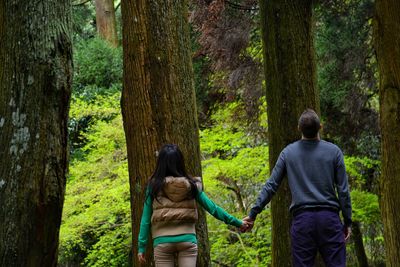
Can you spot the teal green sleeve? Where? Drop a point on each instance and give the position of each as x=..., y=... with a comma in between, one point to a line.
x=145, y=223
x=217, y=211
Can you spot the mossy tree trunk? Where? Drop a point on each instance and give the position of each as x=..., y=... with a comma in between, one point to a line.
x=387, y=46
x=290, y=74
x=158, y=100
x=105, y=21
x=35, y=88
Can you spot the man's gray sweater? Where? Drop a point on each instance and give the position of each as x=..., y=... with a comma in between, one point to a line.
x=316, y=175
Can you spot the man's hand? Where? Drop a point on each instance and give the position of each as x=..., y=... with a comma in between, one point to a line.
x=249, y=222
x=142, y=258
x=347, y=233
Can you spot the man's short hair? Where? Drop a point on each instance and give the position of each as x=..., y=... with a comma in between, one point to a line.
x=309, y=123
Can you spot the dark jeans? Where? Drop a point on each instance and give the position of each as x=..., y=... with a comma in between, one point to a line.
x=318, y=230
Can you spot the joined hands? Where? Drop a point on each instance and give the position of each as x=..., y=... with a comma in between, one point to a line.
x=247, y=225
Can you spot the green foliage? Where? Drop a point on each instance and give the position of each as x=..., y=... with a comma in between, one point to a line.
x=97, y=65
x=247, y=170
x=342, y=37
x=362, y=176
x=201, y=72
x=234, y=168
x=230, y=248
x=96, y=88
x=226, y=136
x=83, y=113
x=255, y=48
x=103, y=252
x=83, y=21
x=363, y=179
x=95, y=228
x=361, y=172
x=102, y=107
x=365, y=207
x=347, y=75
x=366, y=211
x=230, y=157
x=248, y=163
x=228, y=131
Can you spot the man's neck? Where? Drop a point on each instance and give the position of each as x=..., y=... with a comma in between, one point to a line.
x=317, y=138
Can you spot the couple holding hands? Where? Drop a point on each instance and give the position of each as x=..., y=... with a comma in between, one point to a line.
x=319, y=187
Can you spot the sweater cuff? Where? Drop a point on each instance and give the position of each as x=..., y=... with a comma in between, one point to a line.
x=348, y=222
x=253, y=215
x=142, y=250
x=237, y=222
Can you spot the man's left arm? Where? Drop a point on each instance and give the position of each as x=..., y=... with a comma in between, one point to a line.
x=342, y=187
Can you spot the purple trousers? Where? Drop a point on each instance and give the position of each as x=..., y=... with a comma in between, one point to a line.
x=318, y=230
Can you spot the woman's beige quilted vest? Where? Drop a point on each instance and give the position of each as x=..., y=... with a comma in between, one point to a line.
x=173, y=212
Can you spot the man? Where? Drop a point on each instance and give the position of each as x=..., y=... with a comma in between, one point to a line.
x=319, y=187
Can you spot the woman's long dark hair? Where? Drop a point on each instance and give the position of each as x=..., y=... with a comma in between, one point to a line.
x=170, y=162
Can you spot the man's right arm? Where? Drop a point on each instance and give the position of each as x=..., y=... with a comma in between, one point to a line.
x=270, y=187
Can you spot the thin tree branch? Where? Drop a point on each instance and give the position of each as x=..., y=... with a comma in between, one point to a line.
x=220, y=263
x=116, y=8
x=233, y=186
x=82, y=3
x=237, y=6
x=239, y=238
x=241, y=243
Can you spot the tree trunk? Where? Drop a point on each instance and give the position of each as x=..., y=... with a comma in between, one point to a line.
x=35, y=88
x=387, y=46
x=106, y=22
x=158, y=99
x=287, y=33
x=359, y=245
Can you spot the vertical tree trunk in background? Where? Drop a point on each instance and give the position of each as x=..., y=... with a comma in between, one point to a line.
x=35, y=88
x=387, y=46
x=105, y=21
x=158, y=99
x=359, y=245
x=290, y=74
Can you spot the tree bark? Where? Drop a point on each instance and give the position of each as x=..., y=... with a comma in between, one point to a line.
x=387, y=45
x=35, y=88
x=158, y=99
x=359, y=245
x=105, y=21
x=287, y=33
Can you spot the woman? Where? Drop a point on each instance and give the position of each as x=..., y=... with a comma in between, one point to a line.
x=170, y=210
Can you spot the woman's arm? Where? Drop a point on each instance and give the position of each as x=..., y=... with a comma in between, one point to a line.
x=145, y=223
x=217, y=211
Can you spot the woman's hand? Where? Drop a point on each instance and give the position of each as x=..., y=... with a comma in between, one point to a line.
x=243, y=228
x=142, y=258
x=249, y=223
